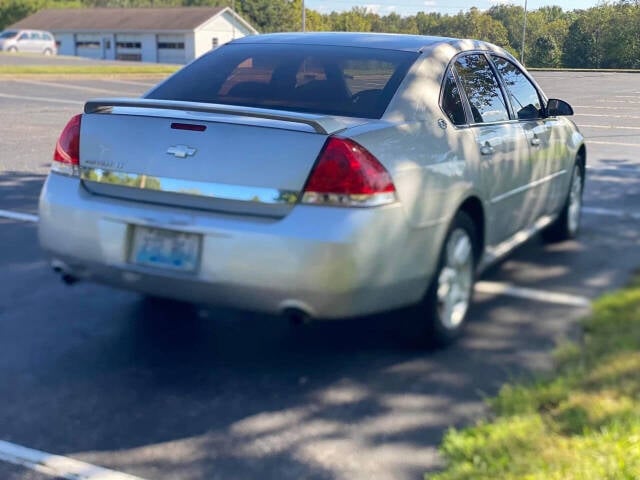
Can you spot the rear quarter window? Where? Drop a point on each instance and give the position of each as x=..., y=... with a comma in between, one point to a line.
x=346, y=81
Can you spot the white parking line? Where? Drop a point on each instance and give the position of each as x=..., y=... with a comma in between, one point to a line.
x=71, y=87
x=500, y=288
x=22, y=217
x=633, y=117
x=615, y=168
x=131, y=82
x=604, y=108
x=57, y=465
x=598, y=142
x=609, y=127
x=41, y=99
x=610, y=213
x=615, y=101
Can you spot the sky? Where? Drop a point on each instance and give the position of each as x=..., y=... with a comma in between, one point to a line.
x=410, y=7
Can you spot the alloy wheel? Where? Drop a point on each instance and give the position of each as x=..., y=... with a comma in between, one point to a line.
x=455, y=280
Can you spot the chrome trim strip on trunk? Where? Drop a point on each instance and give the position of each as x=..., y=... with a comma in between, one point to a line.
x=220, y=191
x=106, y=105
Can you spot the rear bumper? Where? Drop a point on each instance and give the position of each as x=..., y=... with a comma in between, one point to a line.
x=329, y=262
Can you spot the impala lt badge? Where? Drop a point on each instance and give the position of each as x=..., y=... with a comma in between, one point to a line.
x=181, y=151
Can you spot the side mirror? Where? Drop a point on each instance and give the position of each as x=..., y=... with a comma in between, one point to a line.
x=556, y=108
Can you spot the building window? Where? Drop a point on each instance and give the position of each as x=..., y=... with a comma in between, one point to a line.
x=129, y=45
x=171, y=45
x=107, y=44
x=214, y=42
x=88, y=44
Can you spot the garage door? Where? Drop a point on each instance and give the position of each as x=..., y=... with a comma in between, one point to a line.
x=89, y=45
x=171, y=49
x=129, y=47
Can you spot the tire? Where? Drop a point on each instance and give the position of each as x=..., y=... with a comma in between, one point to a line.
x=567, y=225
x=443, y=312
x=12, y=50
x=47, y=52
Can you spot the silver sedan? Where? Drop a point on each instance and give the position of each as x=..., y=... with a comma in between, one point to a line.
x=317, y=175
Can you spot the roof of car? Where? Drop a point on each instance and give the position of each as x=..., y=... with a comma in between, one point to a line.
x=388, y=41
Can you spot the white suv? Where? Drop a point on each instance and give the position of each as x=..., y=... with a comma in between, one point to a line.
x=32, y=41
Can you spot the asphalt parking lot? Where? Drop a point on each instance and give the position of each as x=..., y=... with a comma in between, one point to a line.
x=104, y=377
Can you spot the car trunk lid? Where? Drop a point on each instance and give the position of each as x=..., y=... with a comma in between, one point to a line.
x=214, y=157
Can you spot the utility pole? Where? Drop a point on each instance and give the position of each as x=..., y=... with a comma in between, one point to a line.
x=304, y=18
x=524, y=33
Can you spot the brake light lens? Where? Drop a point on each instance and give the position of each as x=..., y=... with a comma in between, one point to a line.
x=347, y=174
x=66, y=157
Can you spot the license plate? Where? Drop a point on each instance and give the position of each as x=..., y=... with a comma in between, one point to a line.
x=157, y=247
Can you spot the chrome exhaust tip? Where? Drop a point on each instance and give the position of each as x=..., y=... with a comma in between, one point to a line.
x=62, y=269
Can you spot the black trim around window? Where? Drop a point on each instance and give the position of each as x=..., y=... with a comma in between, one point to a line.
x=463, y=94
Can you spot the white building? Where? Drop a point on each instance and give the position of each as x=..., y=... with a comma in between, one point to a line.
x=162, y=35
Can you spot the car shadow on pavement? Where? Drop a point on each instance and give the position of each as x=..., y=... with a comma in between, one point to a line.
x=245, y=395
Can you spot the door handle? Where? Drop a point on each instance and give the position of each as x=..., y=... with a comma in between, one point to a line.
x=535, y=142
x=487, y=149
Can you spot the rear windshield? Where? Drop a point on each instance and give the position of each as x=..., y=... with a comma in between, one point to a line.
x=335, y=80
x=8, y=34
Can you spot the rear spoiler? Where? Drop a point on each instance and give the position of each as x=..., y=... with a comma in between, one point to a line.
x=319, y=123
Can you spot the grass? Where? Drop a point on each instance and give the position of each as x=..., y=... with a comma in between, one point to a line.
x=581, y=422
x=137, y=69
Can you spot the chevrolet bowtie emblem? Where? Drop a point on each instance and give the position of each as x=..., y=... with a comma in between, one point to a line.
x=181, y=151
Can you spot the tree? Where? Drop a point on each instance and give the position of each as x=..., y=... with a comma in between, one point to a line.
x=511, y=17
x=13, y=10
x=428, y=23
x=545, y=53
x=583, y=46
x=484, y=27
x=269, y=15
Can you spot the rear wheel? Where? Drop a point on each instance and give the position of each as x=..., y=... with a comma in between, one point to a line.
x=444, y=309
x=567, y=224
x=47, y=52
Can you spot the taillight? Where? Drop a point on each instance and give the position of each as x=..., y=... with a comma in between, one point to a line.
x=66, y=157
x=348, y=174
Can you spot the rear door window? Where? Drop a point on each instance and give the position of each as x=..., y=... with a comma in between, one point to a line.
x=522, y=93
x=483, y=91
x=346, y=81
